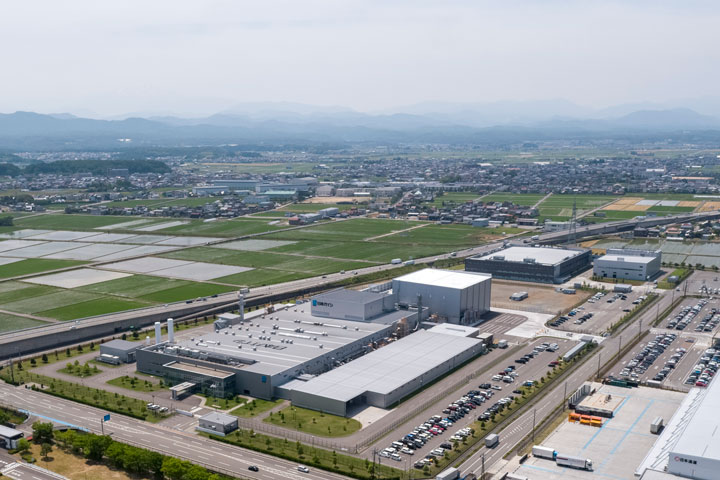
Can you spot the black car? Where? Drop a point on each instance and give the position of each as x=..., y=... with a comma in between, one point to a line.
x=446, y=446
x=253, y=468
x=485, y=386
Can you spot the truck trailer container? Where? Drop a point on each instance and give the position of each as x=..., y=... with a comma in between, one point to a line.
x=396, y=261
x=492, y=440
x=448, y=474
x=657, y=425
x=573, y=462
x=543, y=452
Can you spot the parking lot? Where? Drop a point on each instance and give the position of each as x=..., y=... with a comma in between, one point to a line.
x=615, y=448
x=599, y=312
x=674, y=351
x=428, y=435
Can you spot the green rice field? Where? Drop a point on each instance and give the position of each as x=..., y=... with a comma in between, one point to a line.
x=8, y=322
x=35, y=265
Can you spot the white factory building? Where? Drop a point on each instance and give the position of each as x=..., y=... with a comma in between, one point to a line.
x=628, y=264
x=459, y=297
x=389, y=374
x=688, y=446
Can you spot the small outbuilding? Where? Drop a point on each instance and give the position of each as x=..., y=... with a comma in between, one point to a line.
x=122, y=349
x=9, y=437
x=218, y=423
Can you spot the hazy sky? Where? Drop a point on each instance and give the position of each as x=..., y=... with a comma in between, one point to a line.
x=118, y=56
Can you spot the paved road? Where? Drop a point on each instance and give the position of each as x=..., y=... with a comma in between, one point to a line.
x=203, y=451
x=522, y=425
x=25, y=471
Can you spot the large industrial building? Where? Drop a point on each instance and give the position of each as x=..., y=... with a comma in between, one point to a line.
x=389, y=374
x=688, y=447
x=532, y=264
x=458, y=297
x=362, y=341
x=628, y=264
x=263, y=351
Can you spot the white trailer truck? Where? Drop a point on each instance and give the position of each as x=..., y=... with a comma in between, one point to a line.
x=449, y=474
x=574, y=462
x=543, y=452
x=492, y=440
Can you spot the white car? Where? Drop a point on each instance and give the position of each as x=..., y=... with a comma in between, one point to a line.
x=408, y=451
x=303, y=468
x=496, y=387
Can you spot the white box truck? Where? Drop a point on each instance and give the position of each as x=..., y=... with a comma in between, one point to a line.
x=573, y=462
x=449, y=474
x=657, y=425
x=502, y=344
x=492, y=440
x=396, y=261
x=543, y=452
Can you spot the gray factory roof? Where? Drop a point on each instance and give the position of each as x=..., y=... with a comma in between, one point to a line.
x=699, y=436
x=389, y=367
x=627, y=258
x=358, y=296
x=217, y=417
x=445, y=278
x=540, y=255
x=122, y=345
x=299, y=337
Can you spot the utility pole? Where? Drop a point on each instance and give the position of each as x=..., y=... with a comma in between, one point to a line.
x=598, y=370
x=482, y=474
x=565, y=396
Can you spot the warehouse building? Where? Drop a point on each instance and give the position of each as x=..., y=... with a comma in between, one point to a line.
x=459, y=297
x=389, y=374
x=532, y=264
x=118, y=351
x=687, y=447
x=628, y=264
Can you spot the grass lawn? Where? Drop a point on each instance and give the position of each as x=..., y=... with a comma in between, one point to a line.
x=9, y=323
x=80, y=393
x=255, y=407
x=35, y=265
x=90, y=308
x=81, y=371
x=62, y=221
x=76, y=467
x=224, y=403
x=185, y=292
x=314, y=423
x=134, y=383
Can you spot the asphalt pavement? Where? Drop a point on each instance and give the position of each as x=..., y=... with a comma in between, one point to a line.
x=224, y=458
x=535, y=412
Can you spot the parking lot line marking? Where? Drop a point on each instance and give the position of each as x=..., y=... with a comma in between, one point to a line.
x=605, y=424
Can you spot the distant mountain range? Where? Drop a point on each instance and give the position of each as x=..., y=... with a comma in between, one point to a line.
x=494, y=124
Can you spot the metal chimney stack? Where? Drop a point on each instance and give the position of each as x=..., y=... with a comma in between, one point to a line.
x=158, y=333
x=241, y=306
x=171, y=330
